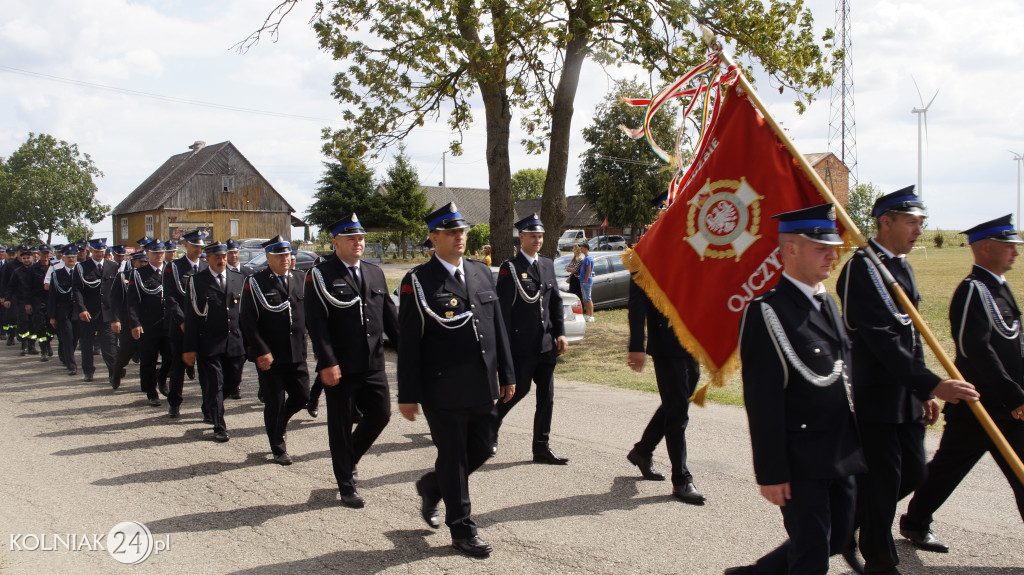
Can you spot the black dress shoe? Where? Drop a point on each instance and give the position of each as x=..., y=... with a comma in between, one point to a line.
x=688, y=494
x=72, y=372
x=645, y=465
x=44, y=357
x=851, y=558
x=313, y=411
x=87, y=377
x=546, y=456
x=282, y=459
x=428, y=507
x=736, y=570
x=236, y=395
x=221, y=436
x=494, y=449
x=190, y=371
x=353, y=500
x=923, y=538
x=472, y=546
x=154, y=401
x=174, y=413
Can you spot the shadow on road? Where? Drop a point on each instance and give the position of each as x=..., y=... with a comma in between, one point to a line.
x=409, y=546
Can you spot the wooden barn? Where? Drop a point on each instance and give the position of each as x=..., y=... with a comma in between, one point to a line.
x=213, y=188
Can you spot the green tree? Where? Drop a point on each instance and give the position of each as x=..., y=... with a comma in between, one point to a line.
x=478, y=237
x=344, y=189
x=862, y=197
x=411, y=61
x=528, y=184
x=620, y=177
x=405, y=203
x=48, y=188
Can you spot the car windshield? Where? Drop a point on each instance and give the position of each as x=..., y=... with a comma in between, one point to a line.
x=258, y=261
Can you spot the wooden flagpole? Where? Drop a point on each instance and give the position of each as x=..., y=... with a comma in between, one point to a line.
x=979, y=410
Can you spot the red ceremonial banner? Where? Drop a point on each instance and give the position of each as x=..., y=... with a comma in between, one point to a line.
x=716, y=247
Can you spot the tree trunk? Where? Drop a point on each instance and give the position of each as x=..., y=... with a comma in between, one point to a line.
x=498, y=116
x=553, y=204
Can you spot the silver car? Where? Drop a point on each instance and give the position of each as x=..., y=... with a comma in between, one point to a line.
x=611, y=279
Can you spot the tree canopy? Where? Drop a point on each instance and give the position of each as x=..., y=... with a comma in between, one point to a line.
x=620, y=177
x=414, y=61
x=528, y=184
x=862, y=197
x=344, y=189
x=47, y=187
x=404, y=205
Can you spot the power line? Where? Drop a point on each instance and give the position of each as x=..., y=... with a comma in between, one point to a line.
x=161, y=97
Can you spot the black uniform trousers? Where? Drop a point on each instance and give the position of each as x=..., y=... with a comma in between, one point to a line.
x=67, y=341
x=677, y=378
x=93, y=334
x=283, y=378
x=463, y=438
x=213, y=372
x=539, y=369
x=368, y=392
x=151, y=344
x=820, y=511
x=176, y=375
x=895, y=456
x=41, y=330
x=127, y=347
x=963, y=444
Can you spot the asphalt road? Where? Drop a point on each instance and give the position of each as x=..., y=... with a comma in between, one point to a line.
x=79, y=458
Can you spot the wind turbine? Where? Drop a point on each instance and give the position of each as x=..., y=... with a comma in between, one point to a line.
x=1019, y=160
x=922, y=116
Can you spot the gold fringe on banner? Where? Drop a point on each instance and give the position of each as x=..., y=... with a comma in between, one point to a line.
x=661, y=301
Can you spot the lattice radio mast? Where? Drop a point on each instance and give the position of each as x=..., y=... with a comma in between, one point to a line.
x=842, y=128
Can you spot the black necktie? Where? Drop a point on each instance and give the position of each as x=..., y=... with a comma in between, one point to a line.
x=458, y=276
x=825, y=309
x=355, y=278
x=220, y=281
x=284, y=282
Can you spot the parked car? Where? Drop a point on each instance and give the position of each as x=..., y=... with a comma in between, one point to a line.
x=611, y=279
x=252, y=242
x=572, y=312
x=607, y=243
x=303, y=261
x=245, y=255
x=570, y=238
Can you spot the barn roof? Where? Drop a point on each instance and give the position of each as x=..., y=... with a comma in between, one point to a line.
x=167, y=180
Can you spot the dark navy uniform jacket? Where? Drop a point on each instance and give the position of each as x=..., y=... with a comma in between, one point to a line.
x=890, y=380
x=145, y=302
x=268, y=328
x=989, y=353
x=176, y=274
x=661, y=338
x=60, y=302
x=532, y=327
x=219, y=332
x=799, y=429
x=457, y=363
x=112, y=292
x=347, y=325
x=87, y=278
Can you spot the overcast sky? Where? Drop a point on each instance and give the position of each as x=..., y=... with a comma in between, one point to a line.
x=56, y=57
